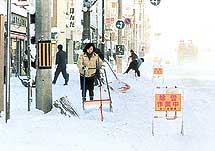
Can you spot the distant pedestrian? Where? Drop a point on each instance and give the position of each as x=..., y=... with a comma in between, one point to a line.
x=25, y=62
x=108, y=54
x=134, y=65
x=87, y=64
x=61, y=65
x=133, y=56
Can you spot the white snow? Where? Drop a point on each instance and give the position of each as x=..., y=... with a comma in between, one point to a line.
x=128, y=127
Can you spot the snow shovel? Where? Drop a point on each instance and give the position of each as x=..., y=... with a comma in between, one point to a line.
x=117, y=85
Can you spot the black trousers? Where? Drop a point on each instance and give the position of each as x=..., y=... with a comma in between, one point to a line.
x=89, y=85
x=133, y=66
x=64, y=73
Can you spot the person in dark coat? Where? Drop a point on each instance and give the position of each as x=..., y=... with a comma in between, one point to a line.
x=134, y=65
x=61, y=65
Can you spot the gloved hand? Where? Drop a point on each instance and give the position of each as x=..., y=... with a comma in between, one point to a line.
x=85, y=68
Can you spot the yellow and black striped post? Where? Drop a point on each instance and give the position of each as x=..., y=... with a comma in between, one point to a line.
x=44, y=54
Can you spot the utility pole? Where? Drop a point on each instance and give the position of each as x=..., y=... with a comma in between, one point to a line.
x=43, y=76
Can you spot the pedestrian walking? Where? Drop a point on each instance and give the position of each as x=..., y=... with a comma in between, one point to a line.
x=61, y=65
x=87, y=64
x=134, y=65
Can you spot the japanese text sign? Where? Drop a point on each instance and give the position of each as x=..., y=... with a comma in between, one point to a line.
x=158, y=71
x=167, y=102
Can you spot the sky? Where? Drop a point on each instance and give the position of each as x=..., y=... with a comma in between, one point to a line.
x=184, y=19
x=128, y=127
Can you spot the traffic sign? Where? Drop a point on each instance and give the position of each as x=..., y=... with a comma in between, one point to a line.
x=119, y=49
x=120, y=24
x=155, y=2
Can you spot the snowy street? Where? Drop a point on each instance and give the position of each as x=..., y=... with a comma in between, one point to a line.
x=128, y=127
x=156, y=62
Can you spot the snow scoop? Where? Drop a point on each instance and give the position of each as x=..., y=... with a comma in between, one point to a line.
x=117, y=85
x=65, y=107
x=98, y=103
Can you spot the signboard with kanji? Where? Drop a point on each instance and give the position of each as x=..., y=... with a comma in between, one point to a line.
x=167, y=102
x=158, y=71
x=109, y=20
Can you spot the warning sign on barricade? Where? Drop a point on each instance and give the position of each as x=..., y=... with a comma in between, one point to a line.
x=167, y=102
x=168, y=105
x=158, y=73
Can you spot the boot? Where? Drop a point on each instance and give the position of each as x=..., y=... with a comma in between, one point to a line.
x=91, y=97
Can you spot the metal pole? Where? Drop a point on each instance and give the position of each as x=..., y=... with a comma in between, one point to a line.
x=29, y=62
x=7, y=101
x=103, y=29
x=134, y=29
x=119, y=58
x=97, y=25
x=119, y=17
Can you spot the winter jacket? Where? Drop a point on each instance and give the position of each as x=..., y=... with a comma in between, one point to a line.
x=133, y=56
x=91, y=63
x=139, y=62
x=61, y=59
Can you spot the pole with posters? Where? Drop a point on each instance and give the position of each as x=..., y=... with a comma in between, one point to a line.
x=43, y=74
x=7, y=92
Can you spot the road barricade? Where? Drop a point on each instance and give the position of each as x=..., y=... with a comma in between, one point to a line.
x=168, y=105
x=158, y=73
